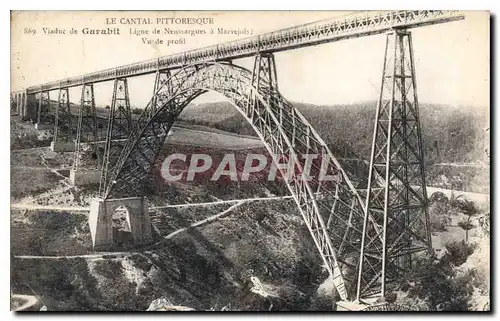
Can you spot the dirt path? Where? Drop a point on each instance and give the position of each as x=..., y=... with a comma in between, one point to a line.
x=223, y=202
x=29, y=167
x=64, y=179
x=27, y=206
x=24, y=206
x=84, y=256
x=205, y=221
x=477, y=165
x=476, y=197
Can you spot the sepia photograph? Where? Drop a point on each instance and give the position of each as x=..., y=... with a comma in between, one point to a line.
x=257, y=161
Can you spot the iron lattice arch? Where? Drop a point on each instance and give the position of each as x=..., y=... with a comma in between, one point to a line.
x=332, y=210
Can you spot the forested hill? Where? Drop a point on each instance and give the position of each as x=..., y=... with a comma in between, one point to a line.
x=451, y=134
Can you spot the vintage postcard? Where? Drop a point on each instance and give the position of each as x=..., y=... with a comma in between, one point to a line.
x=250, y=161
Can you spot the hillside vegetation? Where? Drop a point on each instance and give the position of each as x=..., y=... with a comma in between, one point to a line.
x=211, y=266
x=451, y=135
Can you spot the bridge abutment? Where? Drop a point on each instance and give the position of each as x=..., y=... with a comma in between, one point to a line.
x=101, y=223
x=29, y=109
x=366, y=304
x=350, y=306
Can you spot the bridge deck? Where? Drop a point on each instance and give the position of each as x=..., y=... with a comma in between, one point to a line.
x=324, y=31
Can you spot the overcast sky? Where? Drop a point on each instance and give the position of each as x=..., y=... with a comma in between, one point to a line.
x=452, y=60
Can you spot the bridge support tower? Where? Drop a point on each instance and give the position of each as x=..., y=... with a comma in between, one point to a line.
x=396, y=194
x=24, y=105
x=87, y=156
x=43, y=117
x=16, y=100
x=63, y=129
x=101, y=223
x=29, y=107
x=118, y=130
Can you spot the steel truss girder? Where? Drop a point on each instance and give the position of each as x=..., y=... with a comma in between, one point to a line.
x=43, y=115
x=325, y=31
x=283, y=130
x=161, y=92
x=396, y=194
x=118, y=129
x=63, y=129
x=87, y=131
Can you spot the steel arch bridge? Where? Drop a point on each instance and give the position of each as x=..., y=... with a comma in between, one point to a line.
x=364, y=243
x=333, y=210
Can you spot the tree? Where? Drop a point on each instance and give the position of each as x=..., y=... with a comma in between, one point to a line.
x=439, y=212
x=437, y=283
x=457, y=252
x=466, y=225
x=468, y=208
x=484, y=222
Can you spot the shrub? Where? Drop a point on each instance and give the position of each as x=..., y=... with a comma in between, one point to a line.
x=321, y=303
x=109, y=269
x=435, y=282
x=391, y=297
x=438, y=197
x=439, y=223
x=465, y=205
x=458, y=252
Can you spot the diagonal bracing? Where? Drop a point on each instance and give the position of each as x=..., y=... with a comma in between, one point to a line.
x=63, y=130
x=118, y=129
x=286, y=134
x=396, y=195
x=87, y=152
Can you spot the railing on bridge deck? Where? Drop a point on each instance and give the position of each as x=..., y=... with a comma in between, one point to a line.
x=352, y=26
